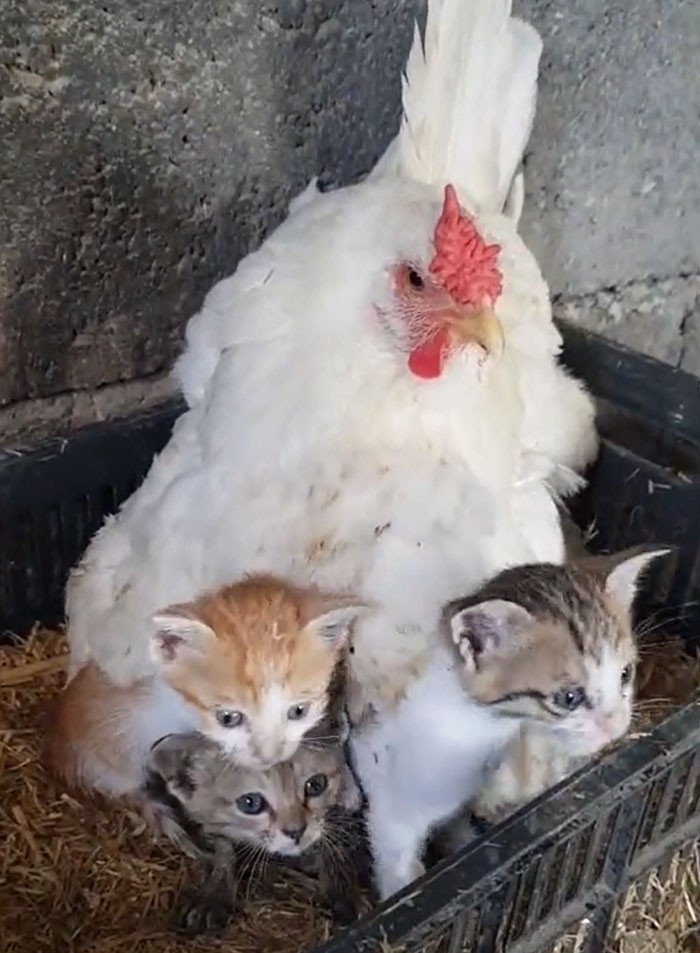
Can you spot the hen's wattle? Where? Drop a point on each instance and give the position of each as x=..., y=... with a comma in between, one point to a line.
x=426, y=360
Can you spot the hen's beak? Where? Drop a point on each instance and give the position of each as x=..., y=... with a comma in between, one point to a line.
x=479, y=327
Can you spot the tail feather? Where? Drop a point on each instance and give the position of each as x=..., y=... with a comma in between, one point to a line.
x=469, y=94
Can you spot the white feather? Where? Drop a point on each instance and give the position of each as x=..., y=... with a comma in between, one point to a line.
x=469, y=97
x=310, y=193
x=515, y=200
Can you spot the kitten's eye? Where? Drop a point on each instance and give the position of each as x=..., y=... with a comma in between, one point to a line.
x=251, y=804
x=297, y=712
x=229, y=719
x=415, y=279
x=569, y=698
x=626, y=675
x=316, y=785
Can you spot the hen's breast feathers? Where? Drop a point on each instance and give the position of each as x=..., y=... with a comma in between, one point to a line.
x=410, y=535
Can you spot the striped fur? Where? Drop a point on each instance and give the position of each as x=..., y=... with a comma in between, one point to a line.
x=579, y=639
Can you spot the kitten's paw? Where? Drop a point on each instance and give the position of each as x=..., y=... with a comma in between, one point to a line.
x=199, y=913
x=390, y=883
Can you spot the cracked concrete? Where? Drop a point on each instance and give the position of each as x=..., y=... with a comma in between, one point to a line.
x=658, y=316
x=145, y=149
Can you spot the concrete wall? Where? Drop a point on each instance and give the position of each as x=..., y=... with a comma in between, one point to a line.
x=613, y=176
x=144, y=148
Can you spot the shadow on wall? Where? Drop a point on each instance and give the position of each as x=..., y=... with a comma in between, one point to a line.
x=144, y=153
x=91, y=292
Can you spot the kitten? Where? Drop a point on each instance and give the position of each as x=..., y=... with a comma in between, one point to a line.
x=249, y=666
x=510, y=657
x=213, y=804
x=593, y=600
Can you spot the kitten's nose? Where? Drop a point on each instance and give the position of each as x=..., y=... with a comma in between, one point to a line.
x=268, y=755
x=295, y=833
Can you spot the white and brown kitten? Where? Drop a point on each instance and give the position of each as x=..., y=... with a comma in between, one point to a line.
x=585, y=611
x=512, y=659
x=248, y=665
x=213, y=805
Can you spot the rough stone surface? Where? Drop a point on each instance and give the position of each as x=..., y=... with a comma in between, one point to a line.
x=26, y=423
x=613, y=192
x=146, y=147
x=658, y=317
x=690, y=358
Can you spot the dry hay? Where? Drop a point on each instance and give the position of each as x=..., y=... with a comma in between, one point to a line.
x=661, y=914
x=667, y=678
x=83, y=876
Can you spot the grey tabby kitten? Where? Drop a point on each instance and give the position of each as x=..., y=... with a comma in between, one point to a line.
x=212, y=805
x=580, y=691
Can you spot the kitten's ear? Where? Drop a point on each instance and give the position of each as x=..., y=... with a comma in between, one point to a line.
x=172, y=757
x=487, y=630
x=176, y=632
x=333, y=618
x=625, y=571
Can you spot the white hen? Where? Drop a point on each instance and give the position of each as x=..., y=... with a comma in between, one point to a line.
x=326, y=439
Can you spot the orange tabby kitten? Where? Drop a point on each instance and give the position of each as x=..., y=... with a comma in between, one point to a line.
x=248, y=666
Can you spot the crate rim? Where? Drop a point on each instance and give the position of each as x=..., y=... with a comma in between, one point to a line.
x=451, y=882
x=670, y=397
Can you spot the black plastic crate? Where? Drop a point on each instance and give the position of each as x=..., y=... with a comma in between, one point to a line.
x=567, y=855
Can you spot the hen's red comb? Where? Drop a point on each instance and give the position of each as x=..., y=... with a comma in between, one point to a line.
x=463, y=263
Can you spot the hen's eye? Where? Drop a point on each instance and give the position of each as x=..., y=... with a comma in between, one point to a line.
x=229, y=719
x=316, y=785
x=415, y=279
x=569, y=698
x=297, y=712
x=251, y=804
x=626, y=675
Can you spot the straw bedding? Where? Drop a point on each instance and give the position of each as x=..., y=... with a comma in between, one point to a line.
x=79, y=875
